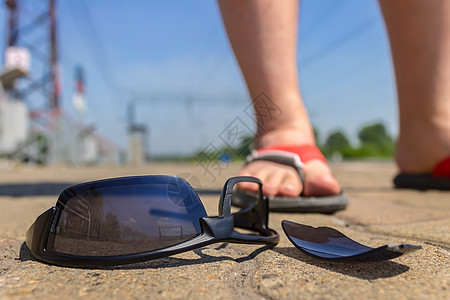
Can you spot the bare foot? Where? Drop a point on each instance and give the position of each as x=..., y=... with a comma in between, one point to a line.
x=421, y=148
x=282, y=180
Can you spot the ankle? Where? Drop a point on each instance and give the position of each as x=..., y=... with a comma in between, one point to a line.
x=419, y=150
x=294, y=133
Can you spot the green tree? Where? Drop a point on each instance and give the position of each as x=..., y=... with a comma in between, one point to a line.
x=246, y=145
x=316, y=134
x=376, y=140
x=374, y=134
x=337, y=141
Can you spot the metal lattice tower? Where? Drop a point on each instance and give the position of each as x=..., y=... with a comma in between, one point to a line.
x=32, y=25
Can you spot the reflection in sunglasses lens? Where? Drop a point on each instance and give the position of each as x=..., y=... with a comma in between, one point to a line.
x=126, y=216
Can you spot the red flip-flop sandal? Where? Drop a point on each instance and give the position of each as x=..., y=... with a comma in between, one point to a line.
x=439, y=179
x=296, y=157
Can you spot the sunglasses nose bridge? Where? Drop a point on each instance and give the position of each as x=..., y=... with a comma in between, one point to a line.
x=221, y=228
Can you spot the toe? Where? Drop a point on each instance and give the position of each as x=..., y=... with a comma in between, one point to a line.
x=291, y=185
x=319, y=180
x=271, y=183
x=251, y=170
x=248, y=186
x=277, y=179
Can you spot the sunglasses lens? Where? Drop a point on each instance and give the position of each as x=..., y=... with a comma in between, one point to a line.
x=328, y=243
x=126, y=216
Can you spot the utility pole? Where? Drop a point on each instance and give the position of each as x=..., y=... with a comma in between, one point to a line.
x=36, y=30
x=12, y=22
x=54, y=95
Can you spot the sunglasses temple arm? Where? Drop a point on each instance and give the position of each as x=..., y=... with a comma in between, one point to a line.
x=222, y=229
x=225, y=197
x=255, y=217
x=270, y=237
x=250, y=218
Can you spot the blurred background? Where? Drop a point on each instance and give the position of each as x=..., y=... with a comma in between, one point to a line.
x=113, y=82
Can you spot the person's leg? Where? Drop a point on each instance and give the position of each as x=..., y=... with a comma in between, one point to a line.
x=419, y=33
x=263, y=35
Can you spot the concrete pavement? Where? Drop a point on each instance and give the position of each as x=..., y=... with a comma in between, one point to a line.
x=377, y=215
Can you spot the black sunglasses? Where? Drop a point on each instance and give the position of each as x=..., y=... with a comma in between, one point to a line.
x=134, y=219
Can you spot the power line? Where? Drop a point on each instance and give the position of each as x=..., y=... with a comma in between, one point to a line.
x=319, y=20
x=89, y=33
x=339, y=42
x=174, y=97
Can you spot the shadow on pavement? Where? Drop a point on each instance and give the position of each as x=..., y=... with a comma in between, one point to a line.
x=208, y=192
x=33, y=189
x=175, y=262
x=368, y=189
x=369, y=270
x=25, y=253
x=166, y=262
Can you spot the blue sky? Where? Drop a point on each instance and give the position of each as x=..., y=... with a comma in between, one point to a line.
x=172, y=59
